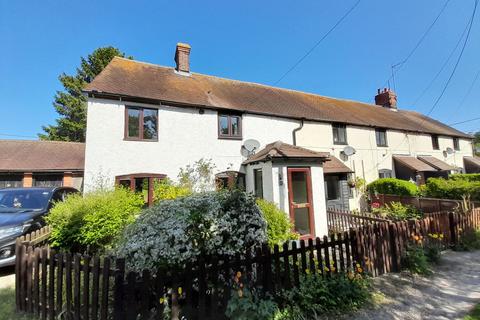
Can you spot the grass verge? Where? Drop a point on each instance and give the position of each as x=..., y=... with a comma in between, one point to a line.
x=7, y=306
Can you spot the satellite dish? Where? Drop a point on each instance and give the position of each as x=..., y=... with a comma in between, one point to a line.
x=249, y=147
x=449, y=150
x=349, y=151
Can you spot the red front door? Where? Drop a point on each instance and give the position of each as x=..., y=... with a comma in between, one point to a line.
x=300, y=201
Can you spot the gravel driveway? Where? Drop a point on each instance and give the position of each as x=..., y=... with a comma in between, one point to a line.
x=449, y=294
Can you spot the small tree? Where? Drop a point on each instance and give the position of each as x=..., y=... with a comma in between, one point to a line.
x=199, y=176
x=71, y=104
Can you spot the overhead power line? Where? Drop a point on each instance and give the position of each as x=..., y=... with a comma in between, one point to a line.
x=443, y=66
x=458, y=60
x=318, y=42
x=468, y=91
x=465, y=121
x=397, y=66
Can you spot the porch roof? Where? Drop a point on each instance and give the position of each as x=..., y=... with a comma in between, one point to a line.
x=280, y=150
x=335, y=166
x=414, y=164
x=436, y=163
x=474, y=161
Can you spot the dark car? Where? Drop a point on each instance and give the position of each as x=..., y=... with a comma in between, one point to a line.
x=21, y=212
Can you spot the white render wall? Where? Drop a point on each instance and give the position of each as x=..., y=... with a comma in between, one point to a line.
x=369, y=158
x=184, y=137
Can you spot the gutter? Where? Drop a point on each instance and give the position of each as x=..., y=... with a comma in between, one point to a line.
x=294, y=132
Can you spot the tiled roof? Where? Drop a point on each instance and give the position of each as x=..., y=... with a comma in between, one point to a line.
x=473, y=160
x=436, y=163
x=414, y=164
x=138, y=81
x=280, y=150
x=41, y=156
x=335, y=166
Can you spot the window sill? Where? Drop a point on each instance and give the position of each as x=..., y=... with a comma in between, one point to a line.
x=340, y=143
x=141, y=140
x=229, y=138
x=382, y=146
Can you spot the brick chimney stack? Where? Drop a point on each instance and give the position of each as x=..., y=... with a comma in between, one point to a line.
x=182, y=57
x=386, y=98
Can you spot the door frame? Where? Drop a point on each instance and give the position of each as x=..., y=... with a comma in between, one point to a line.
x=309, y=205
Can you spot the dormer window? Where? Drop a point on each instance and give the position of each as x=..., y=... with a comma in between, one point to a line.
x=229, y=126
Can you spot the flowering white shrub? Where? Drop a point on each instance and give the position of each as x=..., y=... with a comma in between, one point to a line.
x=176, y=231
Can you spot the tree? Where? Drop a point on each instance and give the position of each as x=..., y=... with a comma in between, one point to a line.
x=71, y=104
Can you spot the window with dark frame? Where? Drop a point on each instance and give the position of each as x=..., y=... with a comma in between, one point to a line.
x=339, y=133
x=141, y=183
x=258, y=183
x=435, y=144
x=381, y=137
x=456, y=144
x=229, y=126
x=141, y=124
x=384, y=173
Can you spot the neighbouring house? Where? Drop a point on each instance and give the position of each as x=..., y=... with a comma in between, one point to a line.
x=302, y=151
x=25, y=163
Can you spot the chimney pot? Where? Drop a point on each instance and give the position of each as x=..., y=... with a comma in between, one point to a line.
x=182, y=57
x=387, y=99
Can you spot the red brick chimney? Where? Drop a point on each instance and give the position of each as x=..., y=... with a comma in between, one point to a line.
x=386, y=98
x=182, y=57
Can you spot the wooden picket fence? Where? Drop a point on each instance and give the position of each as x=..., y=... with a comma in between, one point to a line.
x=340, y=221
x=64, y=286
x=427, y=205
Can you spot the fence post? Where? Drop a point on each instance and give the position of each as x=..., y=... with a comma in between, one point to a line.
x=18, y=278
x=453, y=228
x=395, y=256
x=118, y=303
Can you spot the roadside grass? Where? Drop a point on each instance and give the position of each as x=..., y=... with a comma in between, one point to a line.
x=7, y=306
x=474, y=314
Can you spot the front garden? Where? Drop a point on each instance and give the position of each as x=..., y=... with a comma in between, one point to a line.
x=196, y=252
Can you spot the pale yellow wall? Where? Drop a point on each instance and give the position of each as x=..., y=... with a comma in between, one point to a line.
x=369, y=158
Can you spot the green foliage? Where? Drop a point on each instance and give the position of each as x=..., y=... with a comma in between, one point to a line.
x=247, y=305
x=198, y=177
x=415, y=260
x=71, y=104
x=397, y=211
x=471, y=177
x=469, y=240
x=165, y=189
x=474, y=314
x=279, y=227
x=393, y=186
x=456, y=188
x=176, y=231
x=317, y=295
x=476, y=143
x=93, y=221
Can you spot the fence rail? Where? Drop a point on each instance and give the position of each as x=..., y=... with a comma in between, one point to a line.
x=427, y=205
x=340, y=221
x=61, y=285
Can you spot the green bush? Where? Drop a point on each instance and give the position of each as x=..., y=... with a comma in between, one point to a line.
x=471, y=177
x=318, y=295
x=92, y=221
x=279, y=227
x=165, y=189
x=414, y=259
x=452, y=188
x=393, y=186
x=468, y=241
x=397, y=211
x=248, y=305
x=176, y=231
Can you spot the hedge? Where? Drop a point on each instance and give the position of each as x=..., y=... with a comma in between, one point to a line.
x=471, y=177
x=452, y=188
x=393, y=186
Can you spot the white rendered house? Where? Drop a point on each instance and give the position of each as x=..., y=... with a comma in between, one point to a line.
x=297, y=149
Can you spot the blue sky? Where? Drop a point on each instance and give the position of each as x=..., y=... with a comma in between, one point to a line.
x=247, y=40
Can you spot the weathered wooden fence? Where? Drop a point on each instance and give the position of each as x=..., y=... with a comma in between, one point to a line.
x=426, y=205
x=340, y=221
x=55, y=285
